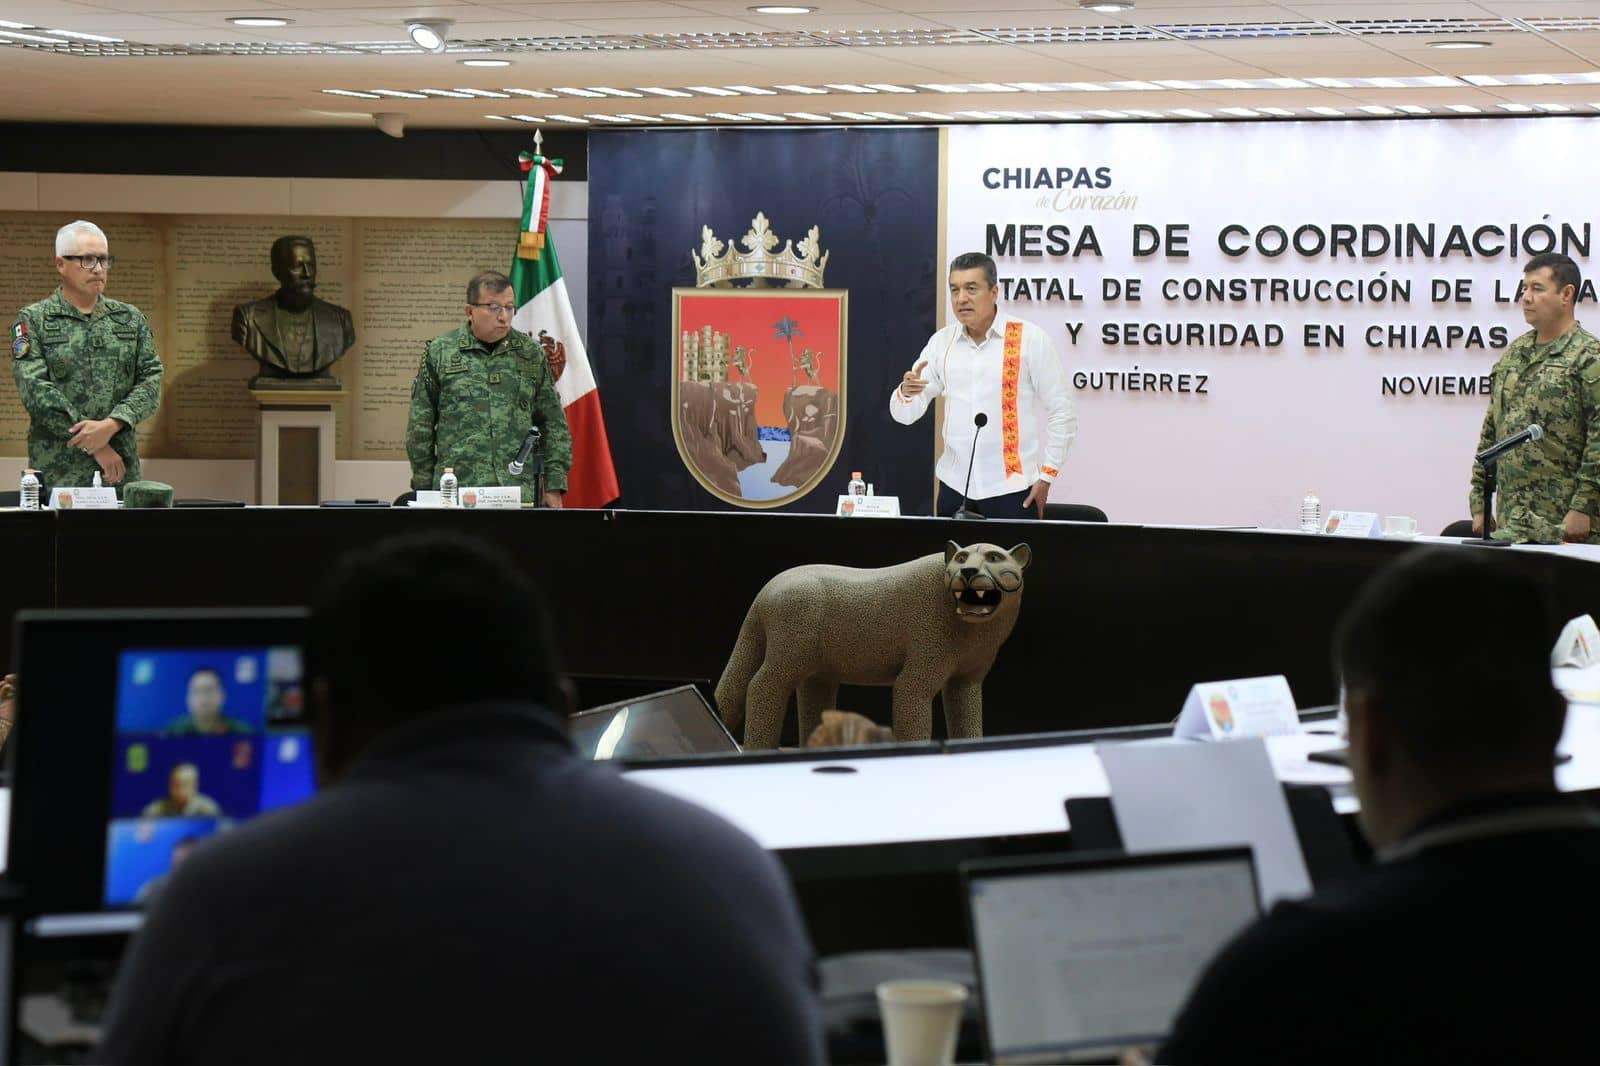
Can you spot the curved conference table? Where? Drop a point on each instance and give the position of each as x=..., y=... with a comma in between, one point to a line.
x=1117, y=621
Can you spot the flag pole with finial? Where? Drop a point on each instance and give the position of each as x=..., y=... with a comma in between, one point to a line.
x=541, y=172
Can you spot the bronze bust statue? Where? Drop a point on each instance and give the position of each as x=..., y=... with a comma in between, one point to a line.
x=293, y=335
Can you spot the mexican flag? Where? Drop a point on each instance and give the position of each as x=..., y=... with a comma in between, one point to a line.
x=545, y=312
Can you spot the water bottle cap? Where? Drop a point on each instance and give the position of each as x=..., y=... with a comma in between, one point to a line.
x=449, y=470
x=855, y=473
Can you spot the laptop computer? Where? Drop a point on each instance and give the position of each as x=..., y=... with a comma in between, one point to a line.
x=677, y=721
x=1078, y=955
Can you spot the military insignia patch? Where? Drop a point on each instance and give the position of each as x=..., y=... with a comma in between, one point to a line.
x=19, y=340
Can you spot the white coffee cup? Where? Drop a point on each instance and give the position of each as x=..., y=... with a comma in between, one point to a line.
x=1397, y=525
x=921, y=1020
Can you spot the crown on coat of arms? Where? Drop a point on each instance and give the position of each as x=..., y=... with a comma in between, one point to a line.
x=797, y=266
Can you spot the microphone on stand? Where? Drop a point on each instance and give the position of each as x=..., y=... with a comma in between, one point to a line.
x=1489, y=459
x=1495, y=451
x=979, y=420
x=529, y=443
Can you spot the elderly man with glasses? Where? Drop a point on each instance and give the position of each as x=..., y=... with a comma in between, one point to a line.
x=86, y=369
x=479, y=389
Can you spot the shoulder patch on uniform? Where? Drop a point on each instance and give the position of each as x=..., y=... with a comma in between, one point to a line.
x=20, y=345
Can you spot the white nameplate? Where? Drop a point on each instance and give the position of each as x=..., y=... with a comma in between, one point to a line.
x=491, y=497
x=1578, y=644
x=1353, y=524
x=868, y=507
x=1247, y=707
x=83, y=499
x=427, y=498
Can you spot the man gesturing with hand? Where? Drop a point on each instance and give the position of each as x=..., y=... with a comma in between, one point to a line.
x=1007, y=370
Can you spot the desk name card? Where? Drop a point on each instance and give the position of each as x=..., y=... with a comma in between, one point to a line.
x=83, y=499
x=1246, y=707
x=868, y=507
x=491, y=497
x=1353, y=524
x=1578, y=644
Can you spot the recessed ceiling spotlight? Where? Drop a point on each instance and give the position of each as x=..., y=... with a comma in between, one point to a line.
x=429, y=34
x=484, y=62
x=1450, y=46
x=782, y=9
x=1106, y=7
x=259, y=20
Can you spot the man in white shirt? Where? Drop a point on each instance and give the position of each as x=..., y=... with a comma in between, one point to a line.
x=1005, y=370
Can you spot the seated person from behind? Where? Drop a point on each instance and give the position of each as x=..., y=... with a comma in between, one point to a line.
x=1468, y=940
x=184, y=798
x=465, y=888
x=204, y=698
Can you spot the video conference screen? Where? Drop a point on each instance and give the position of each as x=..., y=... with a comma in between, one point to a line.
x=205, y=738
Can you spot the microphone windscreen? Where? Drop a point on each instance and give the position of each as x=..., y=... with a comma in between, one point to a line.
x=1536, y=432
x=980, y=420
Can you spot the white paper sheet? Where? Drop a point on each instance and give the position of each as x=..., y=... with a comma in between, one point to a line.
x=1180, y=794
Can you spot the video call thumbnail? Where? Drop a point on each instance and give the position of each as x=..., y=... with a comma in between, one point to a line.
x=209, y=691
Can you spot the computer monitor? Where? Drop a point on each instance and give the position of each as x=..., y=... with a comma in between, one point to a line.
x=677, y=721
x=141, y=734
x=1081, y=955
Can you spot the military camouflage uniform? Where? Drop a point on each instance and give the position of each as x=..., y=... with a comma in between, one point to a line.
x=71, y=367
x=1556, y=385
x=471, y=405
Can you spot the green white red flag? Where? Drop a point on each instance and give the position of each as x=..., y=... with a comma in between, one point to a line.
x=545, y=311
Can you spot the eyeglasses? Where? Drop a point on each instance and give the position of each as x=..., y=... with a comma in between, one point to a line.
x=498, y=309
x=89, y=262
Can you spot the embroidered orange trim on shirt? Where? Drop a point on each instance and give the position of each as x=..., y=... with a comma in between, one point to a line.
x=1010, y=373
x=1049, y=471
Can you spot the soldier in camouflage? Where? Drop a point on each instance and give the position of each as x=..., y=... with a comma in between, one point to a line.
x=1549, y=490
x=476, y=393
x=86, y=369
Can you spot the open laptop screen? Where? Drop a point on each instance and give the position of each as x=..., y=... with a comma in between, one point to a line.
x=678, y=721
x=1096, y=952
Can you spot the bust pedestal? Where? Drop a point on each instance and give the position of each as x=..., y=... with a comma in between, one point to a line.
x=294, y=444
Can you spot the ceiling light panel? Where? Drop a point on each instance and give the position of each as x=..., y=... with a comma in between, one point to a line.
x=1241, y=31
x=1381, y=27
x=1070, y=34
x=600, y=42
x=899, y=38
x=700, y=41
x=1563, y=23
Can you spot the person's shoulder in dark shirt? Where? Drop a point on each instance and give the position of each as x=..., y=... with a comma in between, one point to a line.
x=1461, y=953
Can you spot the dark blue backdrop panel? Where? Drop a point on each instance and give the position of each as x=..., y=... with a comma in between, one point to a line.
x=873, y=193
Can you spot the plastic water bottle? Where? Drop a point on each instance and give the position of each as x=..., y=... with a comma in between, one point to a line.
x=30, y=491
x=449, y=488
x=1311, y=513
x=858, y=487
x=97, y=480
